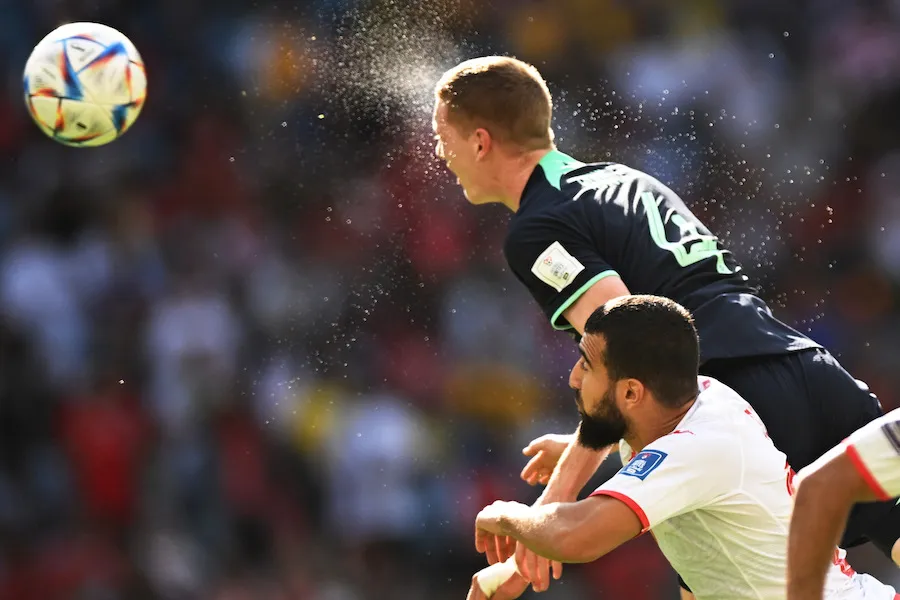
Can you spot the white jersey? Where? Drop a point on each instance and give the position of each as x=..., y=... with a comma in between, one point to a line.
x=875, y=452
x=716, y=494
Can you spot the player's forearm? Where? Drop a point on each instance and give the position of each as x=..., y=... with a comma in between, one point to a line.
x=552, y=531
x=819, y=515
x=575, y=468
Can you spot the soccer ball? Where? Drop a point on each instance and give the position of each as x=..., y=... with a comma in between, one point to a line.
x=85, y=84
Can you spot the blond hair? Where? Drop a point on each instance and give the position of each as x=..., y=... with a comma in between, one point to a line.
x=504, y=95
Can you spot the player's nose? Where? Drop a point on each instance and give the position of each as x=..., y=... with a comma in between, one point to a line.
x=575, y=378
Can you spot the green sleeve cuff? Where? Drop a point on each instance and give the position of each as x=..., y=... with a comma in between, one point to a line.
x=575, y=296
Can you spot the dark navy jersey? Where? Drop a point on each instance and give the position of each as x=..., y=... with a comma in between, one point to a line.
x=578, y=223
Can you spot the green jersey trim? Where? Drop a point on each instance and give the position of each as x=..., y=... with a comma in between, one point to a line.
x=555, y=165
x=575, y=296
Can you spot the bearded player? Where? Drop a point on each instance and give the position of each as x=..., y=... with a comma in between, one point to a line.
x=584, y=233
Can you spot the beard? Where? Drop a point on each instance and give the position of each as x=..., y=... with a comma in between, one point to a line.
x=606, y=426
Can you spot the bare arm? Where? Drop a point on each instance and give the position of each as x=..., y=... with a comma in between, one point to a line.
x=563, y=531
x=596, y=296
x=575, y=468
x=578, y=464
x=825, y=493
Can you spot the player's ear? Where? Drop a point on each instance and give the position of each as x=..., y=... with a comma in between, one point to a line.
x=634, y=391
x=482, y=141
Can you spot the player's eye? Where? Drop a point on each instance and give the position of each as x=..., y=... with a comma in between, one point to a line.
x=584, y=364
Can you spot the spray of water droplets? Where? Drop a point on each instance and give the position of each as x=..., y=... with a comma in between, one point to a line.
x=383, y=60
x=724, y=166
x=388, y=58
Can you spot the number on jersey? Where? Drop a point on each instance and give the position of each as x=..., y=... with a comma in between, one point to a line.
x=691, y=246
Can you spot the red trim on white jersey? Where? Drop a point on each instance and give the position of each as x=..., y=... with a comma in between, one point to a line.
x=864, y=472
x=645, y=523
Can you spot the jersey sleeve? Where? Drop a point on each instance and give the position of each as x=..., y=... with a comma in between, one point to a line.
x=875, y=452
x=676, y=474
x=557, y=264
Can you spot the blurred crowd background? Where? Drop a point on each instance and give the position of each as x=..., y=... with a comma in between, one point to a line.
x=260, y=348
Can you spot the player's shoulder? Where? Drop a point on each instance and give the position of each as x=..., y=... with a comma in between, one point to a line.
x=692, y=446
x=600, y=176
x=556, y=198
x=565, y=176
x=712, y=419
x=710, y=387
x=608, y=179
x=703, y=427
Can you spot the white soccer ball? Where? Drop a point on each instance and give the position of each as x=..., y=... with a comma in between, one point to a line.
x=85, y=84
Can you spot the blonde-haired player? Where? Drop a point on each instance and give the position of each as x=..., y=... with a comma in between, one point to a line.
x=583, y=233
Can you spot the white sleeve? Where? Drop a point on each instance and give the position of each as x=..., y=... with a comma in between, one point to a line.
x=875, y=452
x=675, y=474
